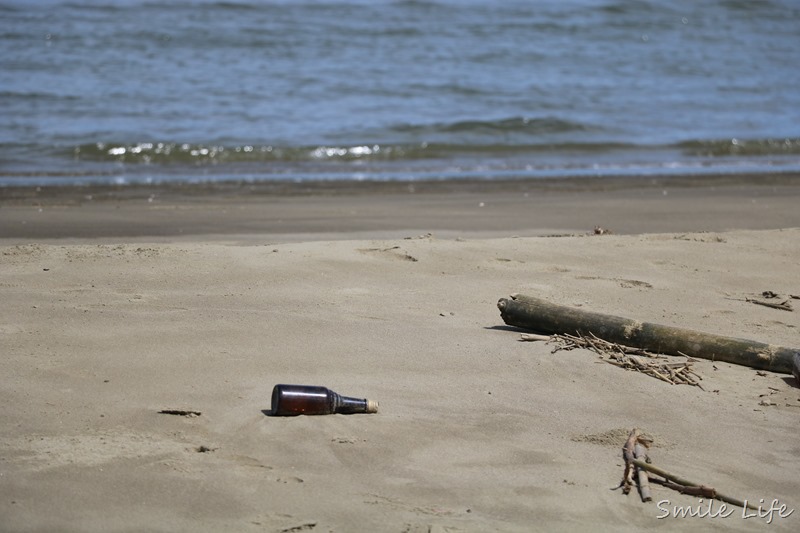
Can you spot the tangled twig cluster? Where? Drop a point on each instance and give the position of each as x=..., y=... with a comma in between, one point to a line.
x=627, y=357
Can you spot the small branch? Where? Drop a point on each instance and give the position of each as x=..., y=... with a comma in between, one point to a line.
x=783, y=306
x=628, y=454
x=702, y=490
x=639, y=452
x=532, y=337
x=685, y=483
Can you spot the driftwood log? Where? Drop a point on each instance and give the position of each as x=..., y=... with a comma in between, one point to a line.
x=551, y=319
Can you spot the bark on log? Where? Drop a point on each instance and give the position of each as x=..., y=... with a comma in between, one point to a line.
x=551, y=319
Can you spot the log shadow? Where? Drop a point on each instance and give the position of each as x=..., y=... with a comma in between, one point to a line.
x=513, y=329
x=792, y=381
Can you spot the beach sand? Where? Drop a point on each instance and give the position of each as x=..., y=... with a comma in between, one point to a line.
x=120, y=303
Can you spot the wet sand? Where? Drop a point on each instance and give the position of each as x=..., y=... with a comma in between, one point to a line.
x=336, y=210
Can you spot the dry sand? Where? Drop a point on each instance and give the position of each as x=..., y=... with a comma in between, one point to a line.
x=135, y=301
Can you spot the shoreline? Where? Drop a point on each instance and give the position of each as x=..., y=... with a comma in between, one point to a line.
x=340, y=210
x=333, y=187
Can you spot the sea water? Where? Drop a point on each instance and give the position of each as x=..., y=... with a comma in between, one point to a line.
x=126, y=91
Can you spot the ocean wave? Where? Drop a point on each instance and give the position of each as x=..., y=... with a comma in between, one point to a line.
x=171, y=153
x=515, y=125
x=741, y=147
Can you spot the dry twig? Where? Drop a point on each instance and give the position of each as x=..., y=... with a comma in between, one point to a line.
x=783, y=306
x=627, y=357
x=689, y=487
x=639, y=452
x=634, y=449
x=627, y=453
x=701, y=491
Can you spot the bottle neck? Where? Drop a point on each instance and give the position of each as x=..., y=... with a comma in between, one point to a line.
x=348, y=405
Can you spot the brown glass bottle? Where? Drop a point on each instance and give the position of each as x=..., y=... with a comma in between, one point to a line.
x=291, y=400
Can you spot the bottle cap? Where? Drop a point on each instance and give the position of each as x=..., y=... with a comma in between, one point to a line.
x=372, y=406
